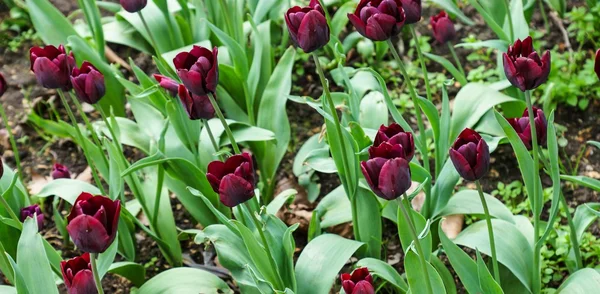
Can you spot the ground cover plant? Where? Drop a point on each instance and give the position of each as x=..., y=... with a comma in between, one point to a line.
x=318, y=146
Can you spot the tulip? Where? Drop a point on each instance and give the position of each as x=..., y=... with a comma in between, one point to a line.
x=78, y=276
x=60, y=171
x=198, y=70
x=443, y=28
x=596, y=64
x=133, y=5
x=412, y=11
x=170, y=85
x=52, y=66
x=360, y=282
x=31, y=211
x=388, y=178
x=3, y=85
x=88, y=83
x=232, y=179
x=392, y=142
x=197, y=107
x=470, y=155
x=308, y=26
x=523, y=66
x=378, y=20
x=521, y=126
x=93, y=221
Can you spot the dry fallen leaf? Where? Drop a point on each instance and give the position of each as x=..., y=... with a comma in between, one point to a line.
x=452, y=225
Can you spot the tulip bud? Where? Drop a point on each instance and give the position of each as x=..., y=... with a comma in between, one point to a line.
x=392, y=142
x=197, y=107
x=133, y=6
x=523, y=66
x=3, y=85
x=378, y=20
x=170, y=85
x=412, y=11
x=308, y=26
x=360, y=282
x=88, y=83
x=52, y=66
x=93, y=222
x=443, y=28
x=77, y=275
x=31, y=211
x=470, y=155
x=596, y=64
x=522, y=127
x=232, y=179
x=198, y=70
x=60, y=171
x=388, y=178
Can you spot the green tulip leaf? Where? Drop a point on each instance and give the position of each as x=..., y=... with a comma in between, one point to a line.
x=184, y=280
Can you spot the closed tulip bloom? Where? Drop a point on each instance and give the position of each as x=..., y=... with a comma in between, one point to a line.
x=523, y=129
x=33, y=211
x=443, y=28
x=470, y=155
x=60, y=171
x=197, y=107
x=388, y=178
x=170, y=85
x=232, y=179
x=93, y=222
x=412, y=10
x=3, y=85
x=523, y=66
x=198, y=70
x=52, y=66
x=308, y=26
x=378, y=20
x=360, y=282
x=78, y=276
x=88, y=83
x=133, y=5
x=393, y=141
x=596, y=64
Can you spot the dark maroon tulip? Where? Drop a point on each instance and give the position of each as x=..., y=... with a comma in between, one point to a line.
x=3, y=85
x=392, y=142
x=232, y=179
x=31, y=211
x=60, y=171
x=133, y=5
x=170, y=85
x=470, y=155
x=198, y=70
x=378, y=20
x=52, y=66
x=388, y=178
x=88, y=83
x=521, y=126
x=412, y=11
x=360, y=282
x=596, y=64
x=443, y=28
x=93, y=221
x=197, y=107
x=308, y=26
x=78, y=276
x=523, y=66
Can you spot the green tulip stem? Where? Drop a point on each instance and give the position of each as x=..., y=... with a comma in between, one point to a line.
x=259, y=228
x=13, y=144
x=422, y=60
x=490, y=229
x=154, y=44
x=534, y=198
x=544, y=16
x=212, y=138
x=213, y=101
x=421, y=126
x=81, y=139
x=456, y=60
x=97, y=280
x=403, y=205
x=510, y=23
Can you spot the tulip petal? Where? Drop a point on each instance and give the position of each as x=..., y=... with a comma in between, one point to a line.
x=394, y=178
x=380, y=27
x=88, y=234
x=313, y=32
x=234, y=190
x=462, y=165
x=83, y=283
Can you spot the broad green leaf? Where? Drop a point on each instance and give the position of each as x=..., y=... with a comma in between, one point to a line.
x=445, y=274
x=447, y=64
x=555, y=175
x=583, y=180
x=236, y=51
x=334, y=208
x=406, y=238
x=383, y=270
x=33, y=262
x=583, y=281
x=416, y=277
x=373, y=111
x=463, y=265
x=20, y=283
x=584, y=216
x=520, y=24
x=487, y=282
x=49, y=23
x=369, y=223
x=321, y=261
x=280, y=200
x=8, y=289
x=469, y=202
x=184, y=280
x=106, y=258
x=67, y=189
x=134, y=272
x=489, y=19
x=123, y=33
